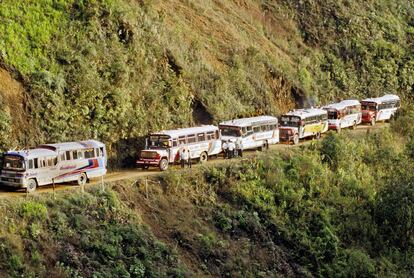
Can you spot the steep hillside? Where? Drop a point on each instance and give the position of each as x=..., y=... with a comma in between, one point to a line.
x=115, y=69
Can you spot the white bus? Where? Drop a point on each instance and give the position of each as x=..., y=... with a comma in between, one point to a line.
x=380, y=108
x=346, y=113
x=162, y=148
x=54, y=163
x=303, y=123
x=255, y=132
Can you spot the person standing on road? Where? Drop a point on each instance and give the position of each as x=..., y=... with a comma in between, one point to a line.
x=231, y=147
x=183, y=157
x=188, y=158
x=225, y=148
x=239, y=147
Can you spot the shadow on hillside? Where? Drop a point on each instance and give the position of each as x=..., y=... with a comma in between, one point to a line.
x=124, y=153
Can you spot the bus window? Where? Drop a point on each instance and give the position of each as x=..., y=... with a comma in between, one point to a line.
x=74, y=155
x=256, y=129
x=181, y=140
x=36, y=163
x=249, y=131
x=191, y=138
x=55, y=161
x=31, y=164
x=174, y=143
x=62, y=157
x=80, y=154
x=210, y=135
x=201, y=137
x=89, y=153
x=102, y=151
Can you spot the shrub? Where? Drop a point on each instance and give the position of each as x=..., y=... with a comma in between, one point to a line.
x=395, y=211
x=33, y=211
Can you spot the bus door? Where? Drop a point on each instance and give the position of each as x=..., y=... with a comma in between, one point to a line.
x=249, y=138
x=47, y=169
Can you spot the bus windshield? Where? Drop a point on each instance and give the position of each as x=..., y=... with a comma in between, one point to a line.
x=13, y=162
x=230, y=131
x=159, y=141
x=369, y=106
x=292, y=121
x=333, y=114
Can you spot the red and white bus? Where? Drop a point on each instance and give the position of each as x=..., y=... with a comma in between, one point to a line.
x=346, y=113
x=162, y=148
x=379, y=109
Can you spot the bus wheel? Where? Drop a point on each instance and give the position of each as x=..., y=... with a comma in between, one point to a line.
x=318, y=135
x=266, y=145
x=145, y=167
x=163, y=164
x=354, y=126
x=82, y=179
x=31, y=185
x=295, y=139
x=372, y=121
x=203, y=157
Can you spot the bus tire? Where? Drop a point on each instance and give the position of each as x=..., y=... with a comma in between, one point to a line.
x=163, y=164
x=295, y=139
x=372, y=122
x=266, y=145
x=145, y=167
x=203, y=157
x=354, y=125
x=31, y=186
x=82, y=179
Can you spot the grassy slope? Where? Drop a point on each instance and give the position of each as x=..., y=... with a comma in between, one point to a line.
x=340, y=207
x=115, y=69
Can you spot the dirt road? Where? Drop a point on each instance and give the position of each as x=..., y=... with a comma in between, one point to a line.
x=138, y=173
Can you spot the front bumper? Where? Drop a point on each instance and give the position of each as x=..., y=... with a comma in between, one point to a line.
x=13, y=182
x=285, y=137
x=148, y=162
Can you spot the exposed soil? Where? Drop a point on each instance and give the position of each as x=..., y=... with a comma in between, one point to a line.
x=12, y=95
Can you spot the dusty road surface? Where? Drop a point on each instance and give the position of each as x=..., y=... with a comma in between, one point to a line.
x=129, y=174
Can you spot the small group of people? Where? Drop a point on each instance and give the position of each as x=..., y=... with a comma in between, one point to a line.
x=185, y=157
x=232, y=149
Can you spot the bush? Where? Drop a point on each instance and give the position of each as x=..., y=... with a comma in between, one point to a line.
x=395, y=211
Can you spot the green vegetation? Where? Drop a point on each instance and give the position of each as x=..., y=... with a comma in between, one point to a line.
x=115, y=69
x=81, y=235
x=342, y=207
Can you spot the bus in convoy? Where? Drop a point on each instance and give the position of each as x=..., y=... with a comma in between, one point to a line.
x=379, y=109
x=54, y=163
x=346, y=113
x=301, y=123
x=255, y=132
x=162, y=148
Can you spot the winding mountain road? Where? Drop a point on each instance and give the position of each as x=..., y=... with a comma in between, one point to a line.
x=130, y=174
